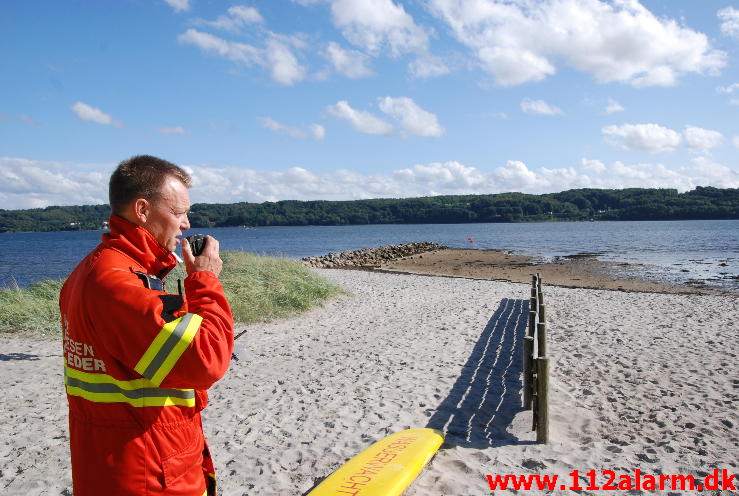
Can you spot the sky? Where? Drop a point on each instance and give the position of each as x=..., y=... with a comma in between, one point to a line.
x=267, y=100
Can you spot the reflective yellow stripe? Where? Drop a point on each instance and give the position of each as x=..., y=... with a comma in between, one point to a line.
x=167, y=347
x=102, y=388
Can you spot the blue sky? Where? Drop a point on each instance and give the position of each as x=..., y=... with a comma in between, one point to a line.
x=346, y=99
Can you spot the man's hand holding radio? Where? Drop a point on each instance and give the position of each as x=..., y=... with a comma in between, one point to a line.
x=208, y=259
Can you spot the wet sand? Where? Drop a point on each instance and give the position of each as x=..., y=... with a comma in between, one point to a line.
x=579, y=271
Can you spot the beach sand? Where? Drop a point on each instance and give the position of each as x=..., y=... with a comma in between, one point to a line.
x=637, y=380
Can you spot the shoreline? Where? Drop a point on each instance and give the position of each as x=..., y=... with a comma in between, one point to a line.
x=583, y=270
x=576, y=271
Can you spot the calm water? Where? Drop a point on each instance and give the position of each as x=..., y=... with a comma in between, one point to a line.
x=675, y=250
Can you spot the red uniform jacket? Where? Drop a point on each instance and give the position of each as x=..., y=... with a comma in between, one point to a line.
x=137, y=362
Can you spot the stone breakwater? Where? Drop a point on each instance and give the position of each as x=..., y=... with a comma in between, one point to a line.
x=371, y=256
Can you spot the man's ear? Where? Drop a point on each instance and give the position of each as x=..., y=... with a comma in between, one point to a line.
x=141, y=210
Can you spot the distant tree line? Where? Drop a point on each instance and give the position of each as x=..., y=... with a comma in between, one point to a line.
x=571, y=205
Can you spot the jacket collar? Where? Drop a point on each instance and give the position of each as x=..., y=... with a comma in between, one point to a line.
x=138, y=243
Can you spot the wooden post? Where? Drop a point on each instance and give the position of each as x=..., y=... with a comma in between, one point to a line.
x=528, y=371
x=542, y=313
x=534, y=280
x=542, y=400
x=541, y=339
x=533, y=306
x=534, y=399
x=539, y=291
x=532, y=323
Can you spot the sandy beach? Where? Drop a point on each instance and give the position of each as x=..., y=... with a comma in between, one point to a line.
x=639, y=380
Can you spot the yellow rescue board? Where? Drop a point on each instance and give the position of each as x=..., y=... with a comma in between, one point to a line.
x=384, y=469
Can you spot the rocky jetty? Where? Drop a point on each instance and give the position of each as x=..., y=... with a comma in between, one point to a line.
x=371, y=257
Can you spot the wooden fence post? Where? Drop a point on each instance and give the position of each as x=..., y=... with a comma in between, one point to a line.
x=528, y=371
x=542, y=313
x=532, y=323
x=534, y=398
x=542, y=400
x=541, y=340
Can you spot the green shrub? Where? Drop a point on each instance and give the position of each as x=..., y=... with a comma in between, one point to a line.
x=258, y=288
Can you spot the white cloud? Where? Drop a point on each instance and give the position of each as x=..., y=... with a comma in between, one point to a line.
x=238, y=17
x=413, y=120
x=36, y=184
x=539, y=107
x=30, y=184
x=593, y=165
x=514, y=175
x=277, y=56
x=728, y=89
x=518, y=41
x=361, y=121
x=233, y=184
x=236, y=52
x=428, y=66
x=93, y=114
x=700, y=139
x=447, y=176
x=282, y=63
x=350, y=63
x=376, y=25
x=318, y=131
x=735, y=140
x=173, y=131
x=277, y=127
x=613, y=107
x=705, y=172
x=179, y=5
x=729, y=21
x=650, y=138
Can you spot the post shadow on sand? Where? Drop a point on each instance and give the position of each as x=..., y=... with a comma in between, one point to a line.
x=487, y=395
x=6, y=357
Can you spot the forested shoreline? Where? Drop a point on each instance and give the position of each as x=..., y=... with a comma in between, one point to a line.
x=571, y=205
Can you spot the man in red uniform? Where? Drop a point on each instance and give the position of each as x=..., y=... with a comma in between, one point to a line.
x=137, y=360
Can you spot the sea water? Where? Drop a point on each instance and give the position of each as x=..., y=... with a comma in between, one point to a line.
x=678, y=251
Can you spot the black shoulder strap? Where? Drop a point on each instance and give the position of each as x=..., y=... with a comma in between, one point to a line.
x=151, y=282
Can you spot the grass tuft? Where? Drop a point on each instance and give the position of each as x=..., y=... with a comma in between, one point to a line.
x=258, y=288
x=261, y=288
x=33, y=310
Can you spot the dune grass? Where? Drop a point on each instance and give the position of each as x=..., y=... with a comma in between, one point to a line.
x=261, y=288
x=32, y=310
x=258, y=288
